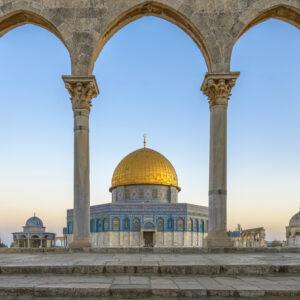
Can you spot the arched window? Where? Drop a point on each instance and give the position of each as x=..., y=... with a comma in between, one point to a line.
x=105, y=224
x=93, y=225
x=136, y=224
x=196, y=226
x=70, y=227
x=99, y=225
x=126, y=224
x=190, y=224
x=116, y=224
x=170, y=223
x=202, y=226
x=160, y=224
x=180, y=226
x=127, y=194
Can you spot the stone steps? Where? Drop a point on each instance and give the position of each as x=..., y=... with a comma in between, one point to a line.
x=143, y=286
x=168, y=268
x=155, y=250
x=149, y=276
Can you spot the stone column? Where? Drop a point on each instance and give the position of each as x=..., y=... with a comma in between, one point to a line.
x=82, y=90
x=217, y=87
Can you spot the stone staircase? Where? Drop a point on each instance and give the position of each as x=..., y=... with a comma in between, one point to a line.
x=143, y=275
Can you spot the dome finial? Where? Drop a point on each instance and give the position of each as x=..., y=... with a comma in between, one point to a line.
x=144, y=135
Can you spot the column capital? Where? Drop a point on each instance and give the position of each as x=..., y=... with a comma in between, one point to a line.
x=82, y=90
x=217, y=87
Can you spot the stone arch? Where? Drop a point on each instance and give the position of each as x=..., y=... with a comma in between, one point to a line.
x=21, y=17
x=253, y=17
x=17, y=18
x=156, y=9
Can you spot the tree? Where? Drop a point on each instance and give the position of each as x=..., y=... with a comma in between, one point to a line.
x=2, y=245
x=276, y=243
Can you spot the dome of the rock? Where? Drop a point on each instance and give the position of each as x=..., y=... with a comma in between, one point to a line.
x=144, y=166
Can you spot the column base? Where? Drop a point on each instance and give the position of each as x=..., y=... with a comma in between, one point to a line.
x=218, y=239
x=81, y=242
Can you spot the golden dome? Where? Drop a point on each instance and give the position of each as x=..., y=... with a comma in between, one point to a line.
x=144, y=166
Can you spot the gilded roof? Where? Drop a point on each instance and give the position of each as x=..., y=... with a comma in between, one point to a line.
x=144, y=166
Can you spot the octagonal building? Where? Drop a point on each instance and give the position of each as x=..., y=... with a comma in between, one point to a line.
x=144, y=211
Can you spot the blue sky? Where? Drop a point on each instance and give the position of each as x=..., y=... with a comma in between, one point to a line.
x=149, y=75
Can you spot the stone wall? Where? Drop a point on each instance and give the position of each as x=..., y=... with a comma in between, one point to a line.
x=85, y=26
x=134, y=239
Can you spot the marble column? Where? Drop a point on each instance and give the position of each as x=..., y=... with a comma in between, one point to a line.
x=82, y=90
x=217, y=87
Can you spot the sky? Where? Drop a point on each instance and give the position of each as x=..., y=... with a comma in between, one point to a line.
x=149, y=74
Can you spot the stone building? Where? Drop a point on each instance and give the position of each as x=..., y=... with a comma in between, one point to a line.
x=293, y=231
x=254, y=237
x=236, y=236
x=145, y=209
x=34, y=235
x=249, y=238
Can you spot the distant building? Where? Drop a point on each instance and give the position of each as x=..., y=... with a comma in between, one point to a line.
x=34, y=235
x=236, y=236
x=145, y=209
x=293, y=231
x=248, y=238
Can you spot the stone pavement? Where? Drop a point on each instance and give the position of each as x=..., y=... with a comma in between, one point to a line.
x=143, y=286
x=142, y=275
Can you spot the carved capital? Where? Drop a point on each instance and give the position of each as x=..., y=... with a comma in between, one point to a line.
x=217, y=87
x=82, y=90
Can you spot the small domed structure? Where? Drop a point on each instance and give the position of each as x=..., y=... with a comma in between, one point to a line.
x=34, y=235
x=34, y=222
x=295, y=220
x=293, y=231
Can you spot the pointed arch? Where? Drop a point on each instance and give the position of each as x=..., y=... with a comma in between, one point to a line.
x=252, y=17
x=281, y=12
x=21, y=17
x=151, y=8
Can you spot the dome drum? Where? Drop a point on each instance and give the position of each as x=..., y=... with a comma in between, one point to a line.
x=145, y=193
